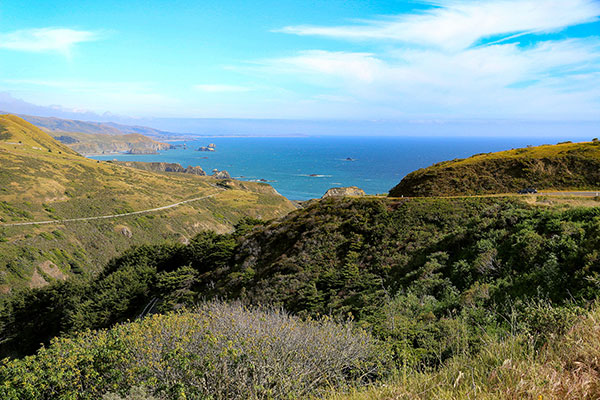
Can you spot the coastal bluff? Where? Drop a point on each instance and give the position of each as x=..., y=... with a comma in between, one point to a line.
x=161, y=167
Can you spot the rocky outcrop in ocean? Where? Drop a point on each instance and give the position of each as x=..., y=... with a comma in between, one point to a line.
x=210, y=147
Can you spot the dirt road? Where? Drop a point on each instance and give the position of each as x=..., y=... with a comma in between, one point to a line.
x=60, y=221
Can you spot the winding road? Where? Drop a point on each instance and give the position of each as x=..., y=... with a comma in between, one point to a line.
x=60, y=221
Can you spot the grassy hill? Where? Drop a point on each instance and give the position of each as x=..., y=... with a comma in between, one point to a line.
x=42, y=179
x=566, y=166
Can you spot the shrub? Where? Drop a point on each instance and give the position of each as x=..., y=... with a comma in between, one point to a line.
x=219, y=351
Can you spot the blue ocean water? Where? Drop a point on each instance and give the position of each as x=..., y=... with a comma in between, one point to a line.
x=302, y=168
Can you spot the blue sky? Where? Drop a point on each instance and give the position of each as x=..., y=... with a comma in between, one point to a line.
x=334, y=59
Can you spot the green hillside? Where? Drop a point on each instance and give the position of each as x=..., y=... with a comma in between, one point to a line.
x=566, y=166
x=42, y=179
x=442, y=285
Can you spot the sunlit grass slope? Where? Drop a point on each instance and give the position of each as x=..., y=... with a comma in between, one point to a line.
x=565, y=166
x=42, y=179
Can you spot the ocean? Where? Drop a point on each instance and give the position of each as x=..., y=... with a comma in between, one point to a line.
x=302, y=168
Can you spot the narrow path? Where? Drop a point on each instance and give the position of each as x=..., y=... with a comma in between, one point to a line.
x=579, y=194
x=60, y=221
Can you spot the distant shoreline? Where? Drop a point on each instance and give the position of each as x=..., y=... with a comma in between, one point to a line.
x=167, y=139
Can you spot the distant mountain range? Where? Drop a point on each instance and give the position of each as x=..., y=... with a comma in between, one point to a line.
x=60, y=125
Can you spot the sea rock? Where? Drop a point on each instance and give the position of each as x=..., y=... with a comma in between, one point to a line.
x=221, y=174
x=207, y=148
x=344, y=191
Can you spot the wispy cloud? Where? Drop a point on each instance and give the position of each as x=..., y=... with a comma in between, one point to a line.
x=552, y=77
x=218, y=88
x=59, y=40
x=458, y=24
x=461, y=57
x=361, y=67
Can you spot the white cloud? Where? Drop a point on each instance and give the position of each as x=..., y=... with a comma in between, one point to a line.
x=217, y=88
x=60, y=40
x=458, y=24
x=551, y=77
x=456, y=59
x=361, y=67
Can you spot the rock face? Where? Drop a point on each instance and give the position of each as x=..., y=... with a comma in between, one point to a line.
x=344, y=191
x=162, y=167
x=194, y=170
x=221, y=174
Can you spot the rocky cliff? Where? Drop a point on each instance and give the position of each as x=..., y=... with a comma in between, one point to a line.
x=162, y=167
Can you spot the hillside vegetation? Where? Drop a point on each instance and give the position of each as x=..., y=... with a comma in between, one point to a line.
x=565, y=368
x=426, y=276
x=566, y=166
x=43, y=179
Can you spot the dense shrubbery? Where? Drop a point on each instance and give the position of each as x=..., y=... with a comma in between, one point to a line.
x=429, y=276
x=219, y=351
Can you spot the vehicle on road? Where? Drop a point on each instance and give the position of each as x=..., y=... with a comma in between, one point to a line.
x=527, y=191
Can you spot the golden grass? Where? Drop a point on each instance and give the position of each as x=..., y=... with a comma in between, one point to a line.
x=567, y=368
x=544, y=151
x=41, y=179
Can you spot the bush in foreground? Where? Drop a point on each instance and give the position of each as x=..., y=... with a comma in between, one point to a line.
x=219, y=351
